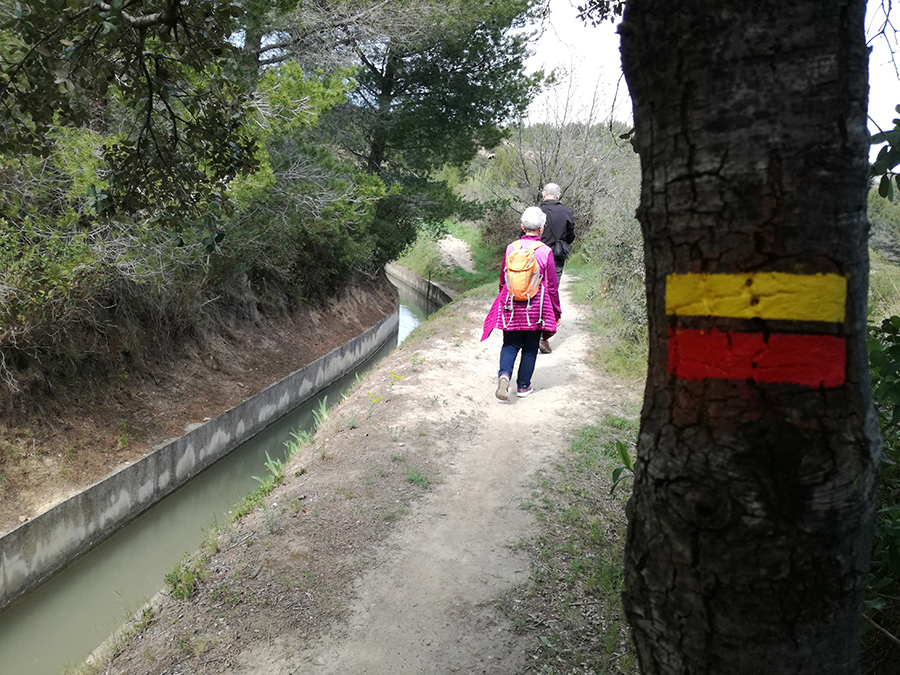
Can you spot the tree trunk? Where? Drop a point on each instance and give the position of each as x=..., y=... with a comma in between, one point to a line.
x=749, y=544
x=386, y=93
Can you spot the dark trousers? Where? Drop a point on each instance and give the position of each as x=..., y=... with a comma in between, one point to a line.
x=513, y=341
x=559, y=264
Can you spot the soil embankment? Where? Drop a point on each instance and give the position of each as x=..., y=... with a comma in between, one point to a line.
x=397, y=528
x=80, y=432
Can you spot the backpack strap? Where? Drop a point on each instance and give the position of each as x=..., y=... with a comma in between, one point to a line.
x=508, y=303
x=528, y=301
x=541, y=308
x=511, y=307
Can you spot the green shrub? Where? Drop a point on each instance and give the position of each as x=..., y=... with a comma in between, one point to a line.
x=883, y=594
x=624, y=348
x=884, y=287
x=615, y=248
x=499, y=227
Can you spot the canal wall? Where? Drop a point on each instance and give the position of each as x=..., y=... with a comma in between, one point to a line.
x=42, y=546
x=434, y=295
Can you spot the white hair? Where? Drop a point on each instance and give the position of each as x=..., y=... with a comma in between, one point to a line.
x=533, y=219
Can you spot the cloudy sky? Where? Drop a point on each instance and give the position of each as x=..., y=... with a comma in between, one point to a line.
x=592, y=55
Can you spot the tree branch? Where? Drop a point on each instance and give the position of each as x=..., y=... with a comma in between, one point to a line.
x=881, y=630
x=166, y=16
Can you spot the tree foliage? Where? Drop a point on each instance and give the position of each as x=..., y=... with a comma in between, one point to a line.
x=71, y=271
x=163, y=162
x=583, y=158
x=598, y=11
x=434, y=97
x=156, y=77
x=888, y=159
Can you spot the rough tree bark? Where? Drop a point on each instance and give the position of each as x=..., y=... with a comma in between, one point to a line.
x=386, y=78
x=753, y=500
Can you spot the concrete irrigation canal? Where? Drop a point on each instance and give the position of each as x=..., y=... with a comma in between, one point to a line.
x=72, y=575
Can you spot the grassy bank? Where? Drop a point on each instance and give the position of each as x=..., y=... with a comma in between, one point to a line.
x=574, y=593
x=424, y=258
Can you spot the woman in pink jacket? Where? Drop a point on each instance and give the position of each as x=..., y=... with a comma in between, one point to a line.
x=524, y=322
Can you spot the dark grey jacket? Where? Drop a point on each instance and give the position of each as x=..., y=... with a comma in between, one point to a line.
x=560, y=223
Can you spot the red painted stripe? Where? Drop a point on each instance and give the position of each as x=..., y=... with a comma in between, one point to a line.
x=810, y=360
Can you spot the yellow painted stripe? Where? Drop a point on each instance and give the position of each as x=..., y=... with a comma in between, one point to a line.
x=764, y=295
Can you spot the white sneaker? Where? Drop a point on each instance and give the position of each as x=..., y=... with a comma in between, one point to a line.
x=503, y=387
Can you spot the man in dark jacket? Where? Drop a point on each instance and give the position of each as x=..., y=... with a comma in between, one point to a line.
x=559, y=232
x=560, y=226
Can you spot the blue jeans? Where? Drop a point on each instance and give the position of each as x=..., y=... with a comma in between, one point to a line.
x=513, y=341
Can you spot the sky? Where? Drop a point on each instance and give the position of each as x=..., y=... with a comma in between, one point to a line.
x=884, y=81
x=592, y=54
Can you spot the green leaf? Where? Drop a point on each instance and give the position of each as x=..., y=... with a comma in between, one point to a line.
x=886, y=188
x=874, y=603
x=622, y=449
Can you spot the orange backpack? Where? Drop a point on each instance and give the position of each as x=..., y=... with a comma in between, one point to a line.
x=522, y=272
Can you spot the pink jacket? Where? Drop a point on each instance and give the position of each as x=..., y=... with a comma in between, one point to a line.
x=536, y=314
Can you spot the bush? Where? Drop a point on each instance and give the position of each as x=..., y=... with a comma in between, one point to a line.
x=884, y=287
x=75, y=296
x=614, y=246
x=499, y=227
x=883, y=594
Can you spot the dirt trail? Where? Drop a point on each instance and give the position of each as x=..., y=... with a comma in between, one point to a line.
x=388, y=594
x=426, y=608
